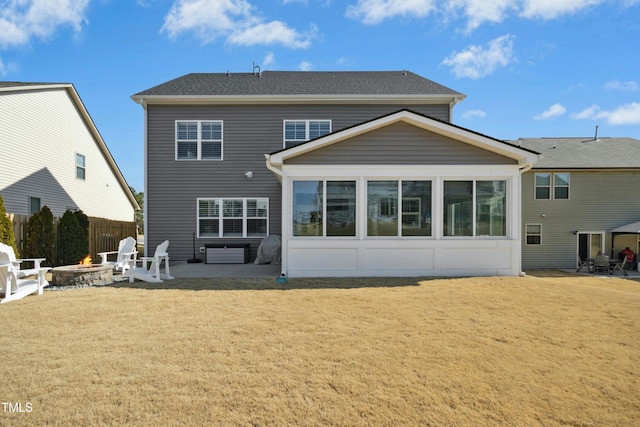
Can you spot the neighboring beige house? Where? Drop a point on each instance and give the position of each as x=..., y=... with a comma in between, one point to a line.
x=579, y=199
x=54, y=156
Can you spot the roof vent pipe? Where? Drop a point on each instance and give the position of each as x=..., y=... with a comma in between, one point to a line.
x=596, y=137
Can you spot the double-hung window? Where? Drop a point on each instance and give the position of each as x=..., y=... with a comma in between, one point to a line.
x=552, y=186
x=199, y=140
x=299, y=131
x=533, y=234
x=233, y=217
x=81, y=167
x=34, y=205
x=475, y=208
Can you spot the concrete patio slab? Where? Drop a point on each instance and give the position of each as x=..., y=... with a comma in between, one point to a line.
x=202, y=270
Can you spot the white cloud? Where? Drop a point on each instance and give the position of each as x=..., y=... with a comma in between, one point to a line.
x=554, y=111
x=376, y=11
x=587, y=113
x=234, y=20
x=305, y=66
x=551, y=9
x=627, y=114
x=23, y=20
x=630, y=86
x=481, y=11
x=269, y=59
x=476, y=12
x=471, y=114
x=476, y=61
x=274, y=32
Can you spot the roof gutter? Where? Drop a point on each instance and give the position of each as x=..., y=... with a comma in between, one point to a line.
x=278, y=172
x=296, y=99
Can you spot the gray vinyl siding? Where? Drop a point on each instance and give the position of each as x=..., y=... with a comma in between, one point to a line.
x=600, y=201
x=249, y=132
x=418, y=147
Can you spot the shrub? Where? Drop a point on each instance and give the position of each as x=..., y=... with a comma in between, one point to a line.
x=6, y=229
x=41, y=236
x=73, y=237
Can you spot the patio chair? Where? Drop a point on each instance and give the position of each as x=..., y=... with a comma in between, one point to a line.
x=125, y=254
x=149, y=270
x=601, y=262
x=21, y=273
x=14, y=288
x=584, y=263
x=620, y=266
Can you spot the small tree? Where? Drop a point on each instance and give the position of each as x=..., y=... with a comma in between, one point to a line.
x=6, y=229
x=41, y=236
x=73, y=237
x=139, y=214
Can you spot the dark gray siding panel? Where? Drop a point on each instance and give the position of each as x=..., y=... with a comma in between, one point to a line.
x=398, y=144
x=249, y=132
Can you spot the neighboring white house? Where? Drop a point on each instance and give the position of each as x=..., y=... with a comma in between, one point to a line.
x=53, y=155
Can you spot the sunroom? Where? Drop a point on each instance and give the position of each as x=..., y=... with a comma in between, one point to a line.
x=401, y=195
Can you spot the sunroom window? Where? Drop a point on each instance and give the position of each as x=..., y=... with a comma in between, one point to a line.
x=389, y=215
x=475, y=208
x=312, y=216
x=233, y=217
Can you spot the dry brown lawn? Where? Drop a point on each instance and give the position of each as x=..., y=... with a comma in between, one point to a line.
x=543, y=350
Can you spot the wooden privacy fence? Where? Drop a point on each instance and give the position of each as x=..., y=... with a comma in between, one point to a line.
x=104, y=234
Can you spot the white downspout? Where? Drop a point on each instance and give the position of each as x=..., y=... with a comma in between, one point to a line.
x=146, y=180
x=526, y=168
x=284, y=200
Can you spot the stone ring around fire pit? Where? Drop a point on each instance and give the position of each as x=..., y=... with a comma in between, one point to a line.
x=79, y=274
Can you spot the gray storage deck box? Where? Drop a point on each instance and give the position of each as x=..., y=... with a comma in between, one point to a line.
x=227, y=253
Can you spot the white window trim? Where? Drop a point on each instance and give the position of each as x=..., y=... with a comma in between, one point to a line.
x=221, y=217
x=83, y=167
x=306, y=130
x=400, y=211
x=324, y=209
x=526, y=234
x=568, y=186
x=200, y=140
x=552, y=186
x=474, y=234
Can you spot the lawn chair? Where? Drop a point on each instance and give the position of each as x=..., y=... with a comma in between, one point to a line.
x=601, y=262
x=584, y=263
x=15, y=263
x=126, y=253
x=14, y=288
x=149, y=271
x=620, y=266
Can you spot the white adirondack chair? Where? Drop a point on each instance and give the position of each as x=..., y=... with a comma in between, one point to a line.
x=21, y=273
x=15, y=288
x=149, y=270
x=126, y=253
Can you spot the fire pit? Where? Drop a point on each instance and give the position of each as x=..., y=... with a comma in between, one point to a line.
x=81, y=274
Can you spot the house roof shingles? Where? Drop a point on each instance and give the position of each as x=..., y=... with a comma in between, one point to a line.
x=584, y=153
x=274, y=83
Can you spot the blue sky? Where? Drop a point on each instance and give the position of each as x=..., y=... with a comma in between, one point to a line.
x=529, y=68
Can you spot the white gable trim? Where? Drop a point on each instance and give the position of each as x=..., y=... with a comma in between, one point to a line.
x=524, y=157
